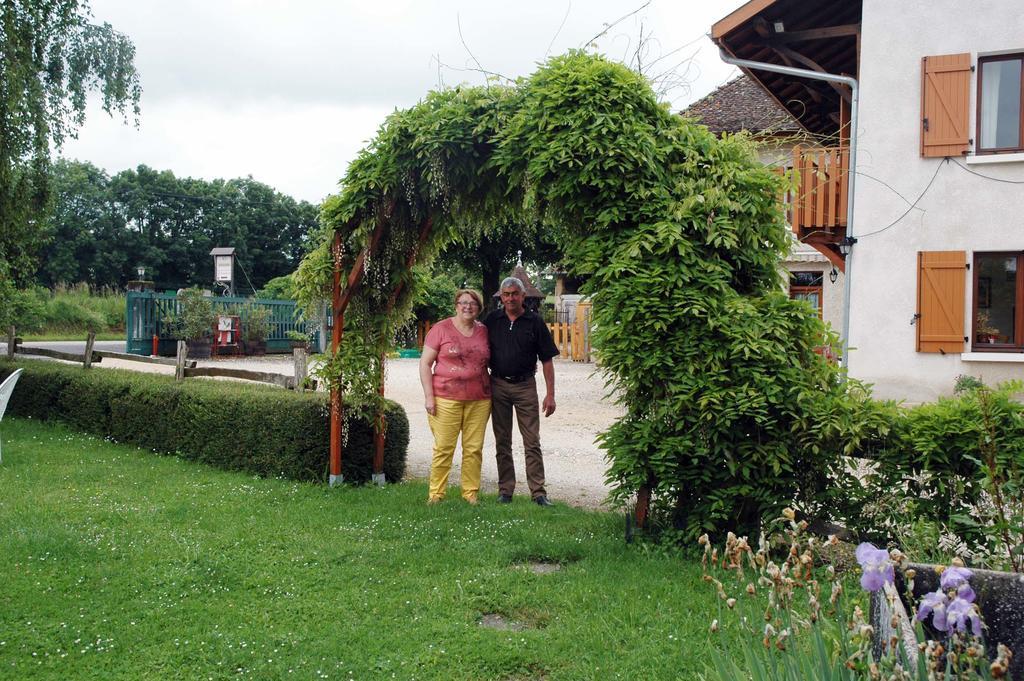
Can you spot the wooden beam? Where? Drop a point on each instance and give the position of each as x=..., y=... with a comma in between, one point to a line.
x=57, y=354
x=817, y=33
x=223, y=372
x=826, y=244
x=736, y=18
x=809, y=63
x=142, y=358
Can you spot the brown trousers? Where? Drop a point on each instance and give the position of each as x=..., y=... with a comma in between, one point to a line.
x=522, y=396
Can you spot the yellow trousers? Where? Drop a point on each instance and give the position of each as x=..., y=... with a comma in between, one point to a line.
x=468, y=417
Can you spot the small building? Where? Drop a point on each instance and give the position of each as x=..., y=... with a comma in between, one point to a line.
x=534, y=297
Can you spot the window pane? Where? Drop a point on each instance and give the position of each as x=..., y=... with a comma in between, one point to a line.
x=812, y=297
x=805, y=279
x=997, y=299
x=1000, y=104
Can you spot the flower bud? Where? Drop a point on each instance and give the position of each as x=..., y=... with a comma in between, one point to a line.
x=714, y=626
x=788, y=513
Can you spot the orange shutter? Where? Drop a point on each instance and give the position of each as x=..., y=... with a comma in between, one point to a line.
x=945, y=93
x=940, y=301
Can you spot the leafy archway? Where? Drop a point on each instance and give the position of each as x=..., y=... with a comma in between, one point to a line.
x=679, y=234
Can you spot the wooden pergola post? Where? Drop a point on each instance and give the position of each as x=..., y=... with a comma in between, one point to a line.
x=339, y=302
x=379, y=422
x=338, y=318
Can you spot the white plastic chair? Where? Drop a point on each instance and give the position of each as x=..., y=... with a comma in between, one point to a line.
x=6, y=390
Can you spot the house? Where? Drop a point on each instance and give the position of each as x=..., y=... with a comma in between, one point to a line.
x=934, y=251
x=741, y=105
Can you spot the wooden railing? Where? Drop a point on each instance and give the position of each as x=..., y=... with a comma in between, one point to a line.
x=573, y=339
x=820, y=200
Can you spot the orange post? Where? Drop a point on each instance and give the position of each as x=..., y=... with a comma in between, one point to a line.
x=339, y=302
x=335, y=476
x=156, y=345
x=380, y=423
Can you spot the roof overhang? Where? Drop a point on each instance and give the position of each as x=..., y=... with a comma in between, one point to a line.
x=820, y=35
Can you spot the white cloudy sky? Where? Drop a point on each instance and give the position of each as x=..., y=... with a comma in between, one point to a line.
x=289, y=91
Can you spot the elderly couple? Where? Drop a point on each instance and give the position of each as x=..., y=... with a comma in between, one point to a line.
x=459, y=393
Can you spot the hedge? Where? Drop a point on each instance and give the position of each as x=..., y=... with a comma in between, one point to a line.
x=229, y=425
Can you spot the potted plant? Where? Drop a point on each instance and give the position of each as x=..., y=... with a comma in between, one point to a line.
x=194, y=322
x=256, y=328
x=984, y=331
x=297, y=339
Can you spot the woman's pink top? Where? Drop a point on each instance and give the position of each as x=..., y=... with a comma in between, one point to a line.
x=460, y=372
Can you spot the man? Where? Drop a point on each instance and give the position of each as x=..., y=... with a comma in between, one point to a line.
x=518, y=339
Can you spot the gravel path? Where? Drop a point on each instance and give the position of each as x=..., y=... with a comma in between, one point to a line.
x=574, y=466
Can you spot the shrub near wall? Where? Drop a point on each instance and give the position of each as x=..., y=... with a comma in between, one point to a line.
x=230, y=425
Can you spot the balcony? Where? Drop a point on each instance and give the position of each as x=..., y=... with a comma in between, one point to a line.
x=817, y=209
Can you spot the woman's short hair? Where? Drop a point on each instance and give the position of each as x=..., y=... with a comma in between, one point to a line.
x=472, y=293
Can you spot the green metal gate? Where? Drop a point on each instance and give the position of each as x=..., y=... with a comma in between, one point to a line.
x=147, y=314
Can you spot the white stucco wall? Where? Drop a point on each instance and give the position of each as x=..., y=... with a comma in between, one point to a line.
x=959, y=211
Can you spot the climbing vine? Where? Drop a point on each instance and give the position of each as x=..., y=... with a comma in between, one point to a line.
x=679, y=236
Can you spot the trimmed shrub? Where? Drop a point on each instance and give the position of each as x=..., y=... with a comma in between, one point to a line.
x=229, y=425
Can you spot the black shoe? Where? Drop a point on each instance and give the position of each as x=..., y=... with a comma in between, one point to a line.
x=504, y=498
x=542, y=500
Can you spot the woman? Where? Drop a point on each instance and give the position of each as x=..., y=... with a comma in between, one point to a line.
x=457, y=394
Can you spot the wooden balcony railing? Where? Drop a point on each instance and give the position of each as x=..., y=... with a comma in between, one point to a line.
x=820, y=202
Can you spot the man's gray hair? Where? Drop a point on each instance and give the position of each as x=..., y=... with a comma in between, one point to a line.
x=513, y=281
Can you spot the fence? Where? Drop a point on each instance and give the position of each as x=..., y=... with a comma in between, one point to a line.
x=183, y=368
x=573, y=339
x=147, y=314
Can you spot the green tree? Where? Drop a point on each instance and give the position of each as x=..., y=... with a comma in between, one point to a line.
x=51, y=58
x=103, y=227
x=488, y=255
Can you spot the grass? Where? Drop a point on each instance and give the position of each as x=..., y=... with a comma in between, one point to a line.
x=122, y=564
x=57, y=335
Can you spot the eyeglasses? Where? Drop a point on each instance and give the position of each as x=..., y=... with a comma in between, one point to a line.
x=471, y=304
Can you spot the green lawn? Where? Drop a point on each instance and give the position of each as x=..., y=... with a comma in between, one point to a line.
x=116, y=563
x=58, y=335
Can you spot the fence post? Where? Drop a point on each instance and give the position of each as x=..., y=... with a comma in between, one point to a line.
x=11, y=343
x=89, y=340
x=299, y=362
x=179, y=367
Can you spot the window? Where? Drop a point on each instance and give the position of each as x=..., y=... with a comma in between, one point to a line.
x=998, y=289
x=999, y=103
x=806, y=286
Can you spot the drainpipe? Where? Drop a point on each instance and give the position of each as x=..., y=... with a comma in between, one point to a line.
x=850, y=175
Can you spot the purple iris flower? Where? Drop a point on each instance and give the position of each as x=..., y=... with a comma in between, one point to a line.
x=965, y=592
x=935, y=603
x=954, y=576
x=959, y=613
x=875, y=565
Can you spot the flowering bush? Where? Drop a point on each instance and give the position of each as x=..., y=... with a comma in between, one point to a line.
x=802, y=638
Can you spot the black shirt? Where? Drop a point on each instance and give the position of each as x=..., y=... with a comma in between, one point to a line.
x=516, y=346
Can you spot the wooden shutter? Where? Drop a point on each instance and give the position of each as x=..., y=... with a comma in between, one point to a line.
x=945, y=94
x=941, y=279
